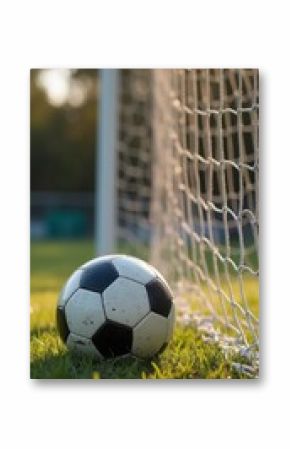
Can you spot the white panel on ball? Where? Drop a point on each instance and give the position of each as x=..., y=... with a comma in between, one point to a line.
x=84, y=345
x=70, y=287
x=149, y=335
x=126, y=301
x=84, y=313
x=133, y=268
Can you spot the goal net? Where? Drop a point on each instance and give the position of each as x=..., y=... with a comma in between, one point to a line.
x=188, y=189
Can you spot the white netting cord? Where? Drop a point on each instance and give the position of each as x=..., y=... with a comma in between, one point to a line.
x=134, y=156
x=204, y=205
x=188, y=183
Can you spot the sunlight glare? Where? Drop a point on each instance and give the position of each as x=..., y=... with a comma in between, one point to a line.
x=56, y=83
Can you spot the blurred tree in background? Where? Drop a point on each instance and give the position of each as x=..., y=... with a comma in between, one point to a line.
x=63, y=134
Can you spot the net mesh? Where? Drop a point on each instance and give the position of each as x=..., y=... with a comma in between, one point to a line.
x=188, y=186
x=134, y=156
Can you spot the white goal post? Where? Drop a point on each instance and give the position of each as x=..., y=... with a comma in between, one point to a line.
x=106, y=163
x=186, y=186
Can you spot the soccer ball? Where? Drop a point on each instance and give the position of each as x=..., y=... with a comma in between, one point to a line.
x=116, y=305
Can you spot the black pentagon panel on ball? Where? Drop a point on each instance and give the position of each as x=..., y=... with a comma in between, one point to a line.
x=113, y=339
x=62, y=324
x=98, y=276
x=159, y=297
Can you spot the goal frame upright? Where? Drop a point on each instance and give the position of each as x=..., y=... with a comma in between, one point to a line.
x=106, y=163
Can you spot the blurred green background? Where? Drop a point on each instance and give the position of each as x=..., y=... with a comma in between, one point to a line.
x=63, y=141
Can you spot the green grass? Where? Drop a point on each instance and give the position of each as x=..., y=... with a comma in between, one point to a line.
x=187, y=356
